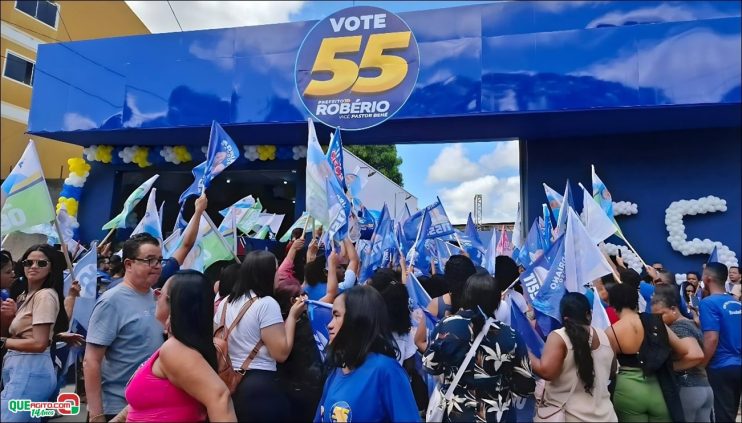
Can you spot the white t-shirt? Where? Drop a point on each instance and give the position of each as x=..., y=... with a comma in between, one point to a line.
x=263, y=313
x=503, y=311
x=405, y=344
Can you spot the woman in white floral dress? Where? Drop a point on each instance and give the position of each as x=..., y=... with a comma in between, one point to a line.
x=500, y=370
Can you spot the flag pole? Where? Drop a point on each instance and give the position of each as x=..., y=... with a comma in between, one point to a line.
x=234, y=231
x=221, y=238
x=634, y=250
x=304, y=230
x=64, y=249
x=102, y=243
x=461, y=245
x=5, y=238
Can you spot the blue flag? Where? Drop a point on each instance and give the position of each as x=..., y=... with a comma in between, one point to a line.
x=546, y=302
x=564, y=210
x=419, y=300
x=714, y=256
x=335, y=158
x=381, y=241
x=533, y=246
x=546, y=231
x=320, y=315
x=444, y=251
x=490, y=258
x=222, y=152
x=338, y=208
x=417, y=251
x=439, y=223
x=522, y=326
x=554, y=201
x=535, y=274
x=471, y=231
x=472, y=247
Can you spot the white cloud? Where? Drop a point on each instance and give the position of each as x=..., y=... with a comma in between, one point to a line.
x=683, y=78
x=193, y=15
x=500, y=198
x=453, y=164
x=505, y=156
x=76, y=121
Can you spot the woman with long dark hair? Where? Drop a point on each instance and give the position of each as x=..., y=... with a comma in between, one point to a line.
x=397, y=300
x=367, y=383
x=577, y=363
x=458, y=268
x=227, y=279
x=302, y=374
x=28, y=371
x=260, y=339
x=499, y=372
x=179, y=382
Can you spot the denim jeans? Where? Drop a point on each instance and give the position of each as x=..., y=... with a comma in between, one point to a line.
x=26, y=376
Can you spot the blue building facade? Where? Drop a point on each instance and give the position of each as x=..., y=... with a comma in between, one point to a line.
x=648, y=92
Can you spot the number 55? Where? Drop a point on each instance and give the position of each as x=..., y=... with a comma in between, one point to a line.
x=345, y=73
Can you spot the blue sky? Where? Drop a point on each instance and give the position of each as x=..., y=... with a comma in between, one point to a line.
x=454, y=172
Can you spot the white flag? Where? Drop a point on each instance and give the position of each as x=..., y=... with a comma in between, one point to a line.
x=597, y=223
x=584, y=262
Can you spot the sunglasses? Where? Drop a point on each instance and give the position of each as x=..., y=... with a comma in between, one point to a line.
x=39, y=263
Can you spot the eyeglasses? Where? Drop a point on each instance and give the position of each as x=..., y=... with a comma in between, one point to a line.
x=39, y=263
x=152, y=262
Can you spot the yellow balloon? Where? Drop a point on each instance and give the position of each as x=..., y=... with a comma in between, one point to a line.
x=182, y=154
x=72, y=206
x=140, y=157
x=103, y=153
x=266, y=152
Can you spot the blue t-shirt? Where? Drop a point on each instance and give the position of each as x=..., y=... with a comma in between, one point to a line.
x=646, y=290
x=316, y=292
x=378, y=390
x=722, y=313
x=124, y=322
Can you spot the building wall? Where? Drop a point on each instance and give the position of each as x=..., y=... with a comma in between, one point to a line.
x=651, y=170
x=21, y=34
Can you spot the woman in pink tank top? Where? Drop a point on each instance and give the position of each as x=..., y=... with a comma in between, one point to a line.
x=179, y=381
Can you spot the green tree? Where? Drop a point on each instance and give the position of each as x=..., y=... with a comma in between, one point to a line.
x=383, y=158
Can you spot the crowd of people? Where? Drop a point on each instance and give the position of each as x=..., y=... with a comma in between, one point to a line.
x=165, y=344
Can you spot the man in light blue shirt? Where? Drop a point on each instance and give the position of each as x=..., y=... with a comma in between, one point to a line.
x=123, y=331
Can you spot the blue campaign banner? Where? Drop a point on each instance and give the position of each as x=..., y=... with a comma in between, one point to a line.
x=357, y=67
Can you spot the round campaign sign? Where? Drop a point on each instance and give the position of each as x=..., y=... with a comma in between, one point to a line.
x=357, y=67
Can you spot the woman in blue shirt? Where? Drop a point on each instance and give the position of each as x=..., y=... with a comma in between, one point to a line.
x=367, y=384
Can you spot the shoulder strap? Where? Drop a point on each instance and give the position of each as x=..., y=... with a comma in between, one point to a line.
x=441, y=307
x=223, y=319
x=467, y=359
x=250, y=357
x=617, y=343
x=237, y=319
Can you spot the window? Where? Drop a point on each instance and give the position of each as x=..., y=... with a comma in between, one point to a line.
x=43, y=10
x=18, y=68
